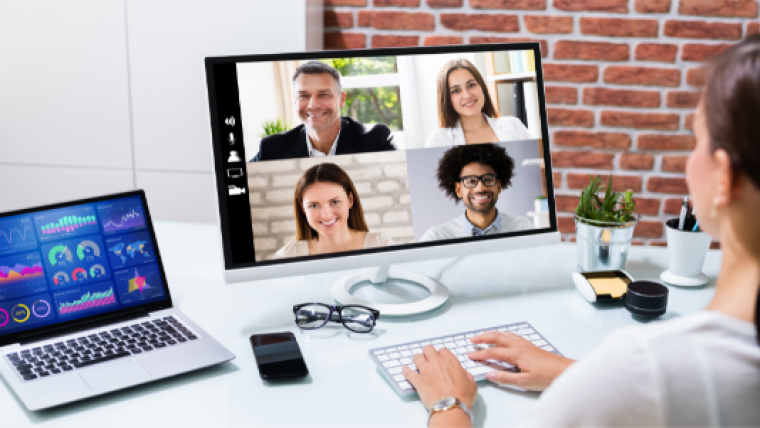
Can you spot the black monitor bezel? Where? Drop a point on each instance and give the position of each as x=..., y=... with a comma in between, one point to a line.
x=66, y=326
x=217, y=141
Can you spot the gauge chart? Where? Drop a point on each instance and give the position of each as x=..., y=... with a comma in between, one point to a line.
x=130, y=250
x=122, y=216
x=139, y=284
x=66, y=223
x=21, y=275
x=76, y=262
x=17, y=235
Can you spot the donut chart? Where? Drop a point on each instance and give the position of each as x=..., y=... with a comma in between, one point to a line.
x=41, y=308
x=21, y=313
x=4, y=318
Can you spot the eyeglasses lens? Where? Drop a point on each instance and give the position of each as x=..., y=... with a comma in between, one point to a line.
x=472, y=180
x=358, y=319
x=312, y=316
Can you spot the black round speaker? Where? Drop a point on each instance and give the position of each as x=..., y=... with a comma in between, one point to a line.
x=646, y=298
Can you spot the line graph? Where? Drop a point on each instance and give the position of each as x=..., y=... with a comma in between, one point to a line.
x=16, y=235
x=122, y=215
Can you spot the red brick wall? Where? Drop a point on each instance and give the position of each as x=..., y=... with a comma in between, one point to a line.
x=622, y=78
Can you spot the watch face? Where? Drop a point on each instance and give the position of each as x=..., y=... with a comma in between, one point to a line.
x=445, y=402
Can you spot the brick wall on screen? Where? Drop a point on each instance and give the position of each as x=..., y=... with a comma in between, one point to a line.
x=622, y=78
x=380, y=179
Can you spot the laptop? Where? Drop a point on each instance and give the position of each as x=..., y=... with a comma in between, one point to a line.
x=85, y=306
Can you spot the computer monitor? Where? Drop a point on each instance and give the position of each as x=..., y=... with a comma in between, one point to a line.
x=338, y=160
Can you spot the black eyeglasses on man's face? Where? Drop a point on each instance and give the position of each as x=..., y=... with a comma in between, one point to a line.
x=471, y=181
x=311, y=316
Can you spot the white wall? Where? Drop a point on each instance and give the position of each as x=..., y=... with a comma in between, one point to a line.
x=258, y=102
x=101, y=96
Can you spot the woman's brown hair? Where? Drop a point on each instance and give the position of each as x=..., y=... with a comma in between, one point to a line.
x=447, y=116
x=732, y=109
x=326, y=173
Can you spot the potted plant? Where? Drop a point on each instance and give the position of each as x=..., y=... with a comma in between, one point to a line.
x=272, y=127
x=604, y=227
x=541, y=204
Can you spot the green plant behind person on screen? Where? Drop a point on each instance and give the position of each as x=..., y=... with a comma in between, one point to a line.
x=272, y=127
x=615, y=208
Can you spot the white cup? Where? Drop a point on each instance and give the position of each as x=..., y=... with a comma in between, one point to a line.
x=687, y=251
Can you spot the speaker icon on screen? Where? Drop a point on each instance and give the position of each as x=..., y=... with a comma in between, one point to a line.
x=230, y=121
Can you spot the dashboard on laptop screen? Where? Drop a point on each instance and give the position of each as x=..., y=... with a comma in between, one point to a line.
x=76, y=261
x=328, y=154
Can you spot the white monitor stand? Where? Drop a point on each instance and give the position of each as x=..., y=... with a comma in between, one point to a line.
x=378, y=276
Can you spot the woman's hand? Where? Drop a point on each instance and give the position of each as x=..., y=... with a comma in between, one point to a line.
x=538, y=368
x=441, y=375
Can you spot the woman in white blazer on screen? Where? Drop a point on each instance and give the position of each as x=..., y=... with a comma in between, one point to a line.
x=466, y=114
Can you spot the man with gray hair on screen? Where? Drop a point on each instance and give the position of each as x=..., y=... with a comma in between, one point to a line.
x=319, y=97
x=476, y=175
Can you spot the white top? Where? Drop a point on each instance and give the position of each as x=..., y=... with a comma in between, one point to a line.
x=314, y=153
x=301, y=248
x=506, y=128
x=699, y=370
x=456, y=229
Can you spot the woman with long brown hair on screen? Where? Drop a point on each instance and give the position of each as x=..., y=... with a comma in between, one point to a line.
x=697, y=370
x=466, y=113
x=329, y=215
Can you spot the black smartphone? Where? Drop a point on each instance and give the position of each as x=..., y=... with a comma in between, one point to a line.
x=278, y=356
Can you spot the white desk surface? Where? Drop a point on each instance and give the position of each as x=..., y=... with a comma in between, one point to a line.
x=344, y=388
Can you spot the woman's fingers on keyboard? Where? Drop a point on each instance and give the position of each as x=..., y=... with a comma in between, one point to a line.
x=508, y=378
x=508, y=355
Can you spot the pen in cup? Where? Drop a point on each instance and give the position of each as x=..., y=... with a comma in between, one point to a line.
x=684, y=210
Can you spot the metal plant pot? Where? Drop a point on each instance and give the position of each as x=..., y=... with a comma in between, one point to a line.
x=603, y=245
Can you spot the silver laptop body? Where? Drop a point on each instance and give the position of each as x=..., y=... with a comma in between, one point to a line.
x=85, y=309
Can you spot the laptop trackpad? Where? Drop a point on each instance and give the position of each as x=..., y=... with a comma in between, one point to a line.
x=115, y=376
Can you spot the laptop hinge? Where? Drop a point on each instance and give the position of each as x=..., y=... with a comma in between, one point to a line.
x=87, y=325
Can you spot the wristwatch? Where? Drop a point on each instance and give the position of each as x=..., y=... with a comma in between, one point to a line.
x=448, y=403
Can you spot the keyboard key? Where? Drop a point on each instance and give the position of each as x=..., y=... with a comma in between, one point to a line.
x=25, y=372
x=525, y=331
x=395, y=355
x=447, y=339
x=160, y=345
x=413, y=367
x=414, y=345
x=461, y=358
x=534, y=336
x=540, y=342
x=136, y=351
x=390, y=350
x=436, y=341
x=461, y=343
x=502, y=329
x=392, y=363
x=43, y=374
x=394, y=370
x=406, y=353
x=406, y=361
x=425, y=343
x=67, y=368
x=513, y=328
x=399, y=377
x=480, y=370
x=380, y=352
x=55, y=371
x=469, y=364
x=405, y=386
x=30, y=377
x=382, y=358
x=402, y=347
x=547, y=348
x=417, y=351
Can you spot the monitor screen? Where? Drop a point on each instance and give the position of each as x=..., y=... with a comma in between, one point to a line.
x=331, y=154
x=73, y=262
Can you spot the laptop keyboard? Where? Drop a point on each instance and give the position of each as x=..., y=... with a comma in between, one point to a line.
x=77, y=353
x=391, y=359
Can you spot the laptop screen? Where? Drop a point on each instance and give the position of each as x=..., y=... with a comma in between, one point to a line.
x=74, y=262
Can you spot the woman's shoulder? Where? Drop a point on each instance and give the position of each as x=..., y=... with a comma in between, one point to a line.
x=441, y=137
x=292, y=249
x=510, y=125
x=377, y=239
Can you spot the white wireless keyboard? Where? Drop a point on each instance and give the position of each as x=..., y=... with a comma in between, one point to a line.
x=390, y=359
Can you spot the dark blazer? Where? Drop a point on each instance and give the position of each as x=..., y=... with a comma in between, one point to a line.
x=354, y=138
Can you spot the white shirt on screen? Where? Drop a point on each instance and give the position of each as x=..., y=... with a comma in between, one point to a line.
x=460, y=227
x=301, y=248
x=698, y=370
x=314, y=153
x=506, y=128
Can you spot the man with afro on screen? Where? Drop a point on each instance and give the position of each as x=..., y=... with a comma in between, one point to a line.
x=476, y=174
